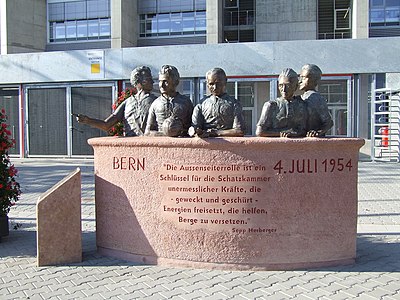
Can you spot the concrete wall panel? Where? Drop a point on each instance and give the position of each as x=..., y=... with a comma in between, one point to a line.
x=242, y=59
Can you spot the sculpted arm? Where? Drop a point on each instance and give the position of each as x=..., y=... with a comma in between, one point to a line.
x=106, y=124
x=188, y=116
x=238, y=123
x=325, y=120
x=264, y=125
x=197, y=122
x=151, y=125
x=299, y=122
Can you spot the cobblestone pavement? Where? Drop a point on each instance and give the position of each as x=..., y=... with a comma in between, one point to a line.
x=376, y=274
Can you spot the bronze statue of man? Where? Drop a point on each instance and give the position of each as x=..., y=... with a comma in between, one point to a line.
x=217, y=114
x=133, y=111
x=319, y=118
x=170, y=113
x=287, y=115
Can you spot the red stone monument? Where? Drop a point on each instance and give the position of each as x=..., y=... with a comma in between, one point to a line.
x=227, y=203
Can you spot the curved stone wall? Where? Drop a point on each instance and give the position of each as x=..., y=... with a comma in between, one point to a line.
x=227, y=203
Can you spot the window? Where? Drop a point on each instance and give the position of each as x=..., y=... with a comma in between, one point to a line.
x=9, y=101
x=384, y=13
x=239, y=21
x=342, y=19
x=336, y=93
x=334, y=19
x=231, y=3
x=172, y=17
x=79, y=20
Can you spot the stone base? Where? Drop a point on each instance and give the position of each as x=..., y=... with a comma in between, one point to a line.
x=227, y=203
x=59, y=232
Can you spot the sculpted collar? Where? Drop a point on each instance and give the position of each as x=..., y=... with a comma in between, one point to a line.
x=169, y=99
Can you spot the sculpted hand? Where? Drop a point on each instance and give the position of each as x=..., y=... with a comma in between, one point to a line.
x=212, y=132
x=195, y=132
x=312, y=133
x=287, y=133
x=82, y=118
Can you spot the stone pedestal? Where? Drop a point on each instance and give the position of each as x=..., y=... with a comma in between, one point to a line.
x=227, y=203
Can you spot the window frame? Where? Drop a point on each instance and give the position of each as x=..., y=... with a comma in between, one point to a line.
x=55, y=22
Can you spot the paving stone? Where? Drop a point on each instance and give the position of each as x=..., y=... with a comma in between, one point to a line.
x=376, y=274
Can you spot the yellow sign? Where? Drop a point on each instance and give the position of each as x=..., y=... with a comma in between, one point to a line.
x=96, y=65
x=95, y=68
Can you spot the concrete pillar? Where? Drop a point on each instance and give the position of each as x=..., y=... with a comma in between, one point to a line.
x=363, y=115
x=214, y=15
x=23, y=26
x=360, y=19
x=124, y=24
x=3, y=27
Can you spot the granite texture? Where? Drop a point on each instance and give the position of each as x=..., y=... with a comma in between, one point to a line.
x=59, y=238
x=227, y=203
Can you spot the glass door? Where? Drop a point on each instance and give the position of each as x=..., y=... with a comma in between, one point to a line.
x=9, y=101
x=94, y=102
x=337, y=92
x=51, y=128
x=46, y=122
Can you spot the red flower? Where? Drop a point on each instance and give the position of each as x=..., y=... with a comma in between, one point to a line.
x=12, y=171
x=9, y=187
x=117, y=130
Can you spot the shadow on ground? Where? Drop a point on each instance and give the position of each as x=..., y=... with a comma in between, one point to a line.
x=375, y=253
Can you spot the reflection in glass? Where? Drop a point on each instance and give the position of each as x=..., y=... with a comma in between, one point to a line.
x=82, y=29
x=340, y=120
x=392, y=15
x=71, y=29
x=59, y=31
x=105, y=28
x=79, y=20
x=75, y=10
x=175, y=23
x=93, y=28
x=377, y=16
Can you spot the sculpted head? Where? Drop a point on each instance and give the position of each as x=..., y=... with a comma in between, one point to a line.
x=216, y=81
x=288, y=83
x=310, y=76
x=168, y=80
x=142, y=79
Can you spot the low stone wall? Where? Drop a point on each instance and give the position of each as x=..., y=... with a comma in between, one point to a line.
x=59, y=230
x=227, y=203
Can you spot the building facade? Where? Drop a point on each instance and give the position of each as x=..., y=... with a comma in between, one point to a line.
x=60, y=57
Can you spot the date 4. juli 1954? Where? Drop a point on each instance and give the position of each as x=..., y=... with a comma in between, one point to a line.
x=313, y=165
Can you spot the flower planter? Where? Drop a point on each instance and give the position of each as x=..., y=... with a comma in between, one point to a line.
x=4, y=226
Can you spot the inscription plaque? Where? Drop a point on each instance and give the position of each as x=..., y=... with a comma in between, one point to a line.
x=211, y=196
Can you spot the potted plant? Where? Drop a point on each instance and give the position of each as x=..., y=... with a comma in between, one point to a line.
x=9, y=187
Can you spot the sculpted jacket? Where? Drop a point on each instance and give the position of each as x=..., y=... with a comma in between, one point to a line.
x=218, y=112
x=319, y=118
x=280, y=115
x=179, y=107
x=133, y=112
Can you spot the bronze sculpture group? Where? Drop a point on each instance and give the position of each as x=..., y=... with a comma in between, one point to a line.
x=219, y=114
